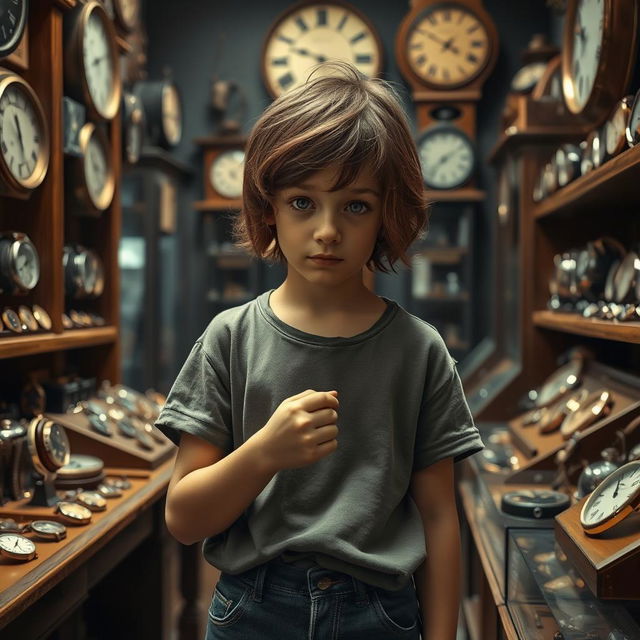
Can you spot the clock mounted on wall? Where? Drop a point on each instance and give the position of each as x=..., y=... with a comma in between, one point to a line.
x=310, y=33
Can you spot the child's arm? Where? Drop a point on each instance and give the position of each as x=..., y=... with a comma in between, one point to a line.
x=209, y=491
x=438, y=579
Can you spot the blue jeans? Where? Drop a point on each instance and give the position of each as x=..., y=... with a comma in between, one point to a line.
x=283, y=602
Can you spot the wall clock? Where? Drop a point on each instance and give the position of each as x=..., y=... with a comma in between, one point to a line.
x=223, y=169
x=313, y=32
x=91, y=63
x=24, y=138
x=599, y=45
x=13, y=22
x=162, y=107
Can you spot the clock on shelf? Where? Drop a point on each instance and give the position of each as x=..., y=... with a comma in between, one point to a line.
x=310, y=33
x=14, y=33
x=24, y=137
x=91, y=63
x=223, y=168
x=598, y=54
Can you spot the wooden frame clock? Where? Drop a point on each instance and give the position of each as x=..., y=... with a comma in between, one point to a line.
x=445, y=51
x=223, y=167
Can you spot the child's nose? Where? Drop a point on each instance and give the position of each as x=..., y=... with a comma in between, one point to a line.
x=327, y=229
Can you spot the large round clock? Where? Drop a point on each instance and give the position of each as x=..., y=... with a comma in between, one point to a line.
x=313, y=32
x=13, y=19
x=599, y=45
x=91, y=60
x=447, y=157
x=446, y=45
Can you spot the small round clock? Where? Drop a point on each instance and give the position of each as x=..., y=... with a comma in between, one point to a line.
x=13, y=20
x=48, y=445
x=447, y=157
x=91, y=63
x=162, y=106
x=447, y=45
x=612, y=500
x=24, y=137
x=598, y=52
x=527, y=77
x=616, y=126
x=310, y=33
x=19, y=264
x=17, y=547
x=225, y=173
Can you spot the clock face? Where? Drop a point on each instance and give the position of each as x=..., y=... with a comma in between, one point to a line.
x=226, y=173
x=171, y=114
x=615, y=127
x=613, y=499
x=22, y=136
x=97, y=171
x=315, y=33
x=17, y=544
x=74, y=511
x=99, y=64
x=27, y=265
x=586, y=34
x=446, y=157
x=528, y=76
x=13, y=17
x=58, y=444
x=447, y=46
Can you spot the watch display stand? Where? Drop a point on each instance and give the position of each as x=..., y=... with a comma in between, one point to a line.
x=116, y=450
x=608, y=563
x=44, y=494
x=539, y=449
x=538, y=573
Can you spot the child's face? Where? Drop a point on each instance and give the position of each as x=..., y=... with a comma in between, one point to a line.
x=311, y=219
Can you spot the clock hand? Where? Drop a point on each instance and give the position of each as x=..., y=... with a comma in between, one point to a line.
x=17, y=121
x=615, y=493
x=305, y=52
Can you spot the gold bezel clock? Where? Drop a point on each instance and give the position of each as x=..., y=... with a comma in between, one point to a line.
x=599, y=45
x=91, y=60
x=223, y=169
x=310, y=33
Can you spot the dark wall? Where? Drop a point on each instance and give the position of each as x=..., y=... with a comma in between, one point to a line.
x=198, y=39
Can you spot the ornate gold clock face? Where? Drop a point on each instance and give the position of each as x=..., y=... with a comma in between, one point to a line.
x=447, y=46
x=314, y=33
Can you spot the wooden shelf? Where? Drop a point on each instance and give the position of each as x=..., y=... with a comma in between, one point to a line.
x=594, y=328
x=434, y=196
x=215, y=205
x=614, y=182
x=11, y=347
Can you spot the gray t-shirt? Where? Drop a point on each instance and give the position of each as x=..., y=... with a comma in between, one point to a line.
x=402, y=408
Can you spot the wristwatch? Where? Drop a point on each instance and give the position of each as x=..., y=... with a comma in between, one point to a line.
x=93, y=500
x=47, y=529
x=17, y=547
x=73, y=513
x=534, y=503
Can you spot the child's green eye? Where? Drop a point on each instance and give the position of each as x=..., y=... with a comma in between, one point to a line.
x=302, y=204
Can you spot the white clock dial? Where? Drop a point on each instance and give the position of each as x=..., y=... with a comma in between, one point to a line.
x=447, y=158
x=95, y=169
x=226, y=173
x=27, y=265
x=528, y=76
x=313, y=34
x=17, y=544
x=99, y=64
x=614, y=130
x=587, y=46
x=21, y=137
x=613, y=499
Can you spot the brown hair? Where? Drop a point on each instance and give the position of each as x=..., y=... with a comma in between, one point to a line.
x=345, y=119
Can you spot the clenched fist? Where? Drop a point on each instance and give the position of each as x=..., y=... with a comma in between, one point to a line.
x=301, y=431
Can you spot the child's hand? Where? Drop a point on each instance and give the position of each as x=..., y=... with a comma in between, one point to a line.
x=301, y=431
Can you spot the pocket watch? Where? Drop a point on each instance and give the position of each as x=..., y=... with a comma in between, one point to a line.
x=17, y=547
x=66, y=321
x=13, y=20
x=632, y=132
x=226, y=173
x=19, y=263
x=93, y=500
x=311, y=32
x=24, y=137
x=91, y=62
x=552, y=417
x=593, y=264
x=42, y=317
x=593, y=408
x=109, y=491
x=48, y=445
x=84, y=275
x=534, y=503
x=73, y=513
x=447, y=157
x=11, y=320
x=613, y=500
x=27, y=318
x=567, y=377
x=47, y=530
x=615, y=127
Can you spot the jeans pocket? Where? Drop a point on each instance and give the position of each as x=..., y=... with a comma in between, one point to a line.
x=230, y=600
x=398, y=610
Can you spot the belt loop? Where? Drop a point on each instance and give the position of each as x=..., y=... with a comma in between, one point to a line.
x=259, y=583
x=360, y=590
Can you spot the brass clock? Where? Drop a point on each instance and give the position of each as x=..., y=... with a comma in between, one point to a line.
x=310, y=33
x=91, y=63
x=599, y=45
x=13, y=22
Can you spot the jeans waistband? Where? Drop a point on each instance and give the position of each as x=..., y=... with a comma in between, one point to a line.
x=315, y=582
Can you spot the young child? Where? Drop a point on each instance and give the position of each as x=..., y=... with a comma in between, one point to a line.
x=318, y=424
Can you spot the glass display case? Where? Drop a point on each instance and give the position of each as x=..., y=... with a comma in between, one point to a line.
x=545, y=595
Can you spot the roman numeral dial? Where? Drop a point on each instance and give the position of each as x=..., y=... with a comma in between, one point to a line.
x=314, y=33
x=447, y=46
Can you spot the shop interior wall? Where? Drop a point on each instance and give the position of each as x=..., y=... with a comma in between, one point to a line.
x=186, y=37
